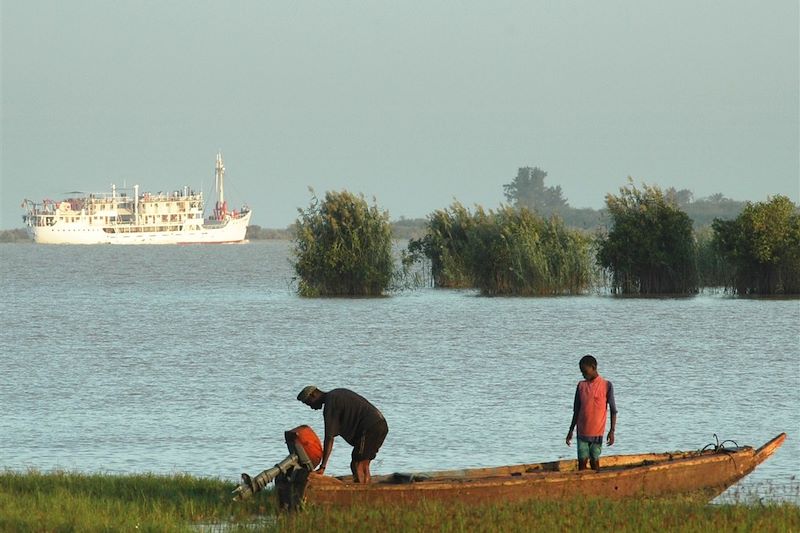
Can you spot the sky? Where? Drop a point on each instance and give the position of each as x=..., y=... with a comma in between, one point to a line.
x=414, y=104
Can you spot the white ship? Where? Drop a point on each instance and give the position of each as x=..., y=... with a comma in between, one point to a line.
x=126, y=216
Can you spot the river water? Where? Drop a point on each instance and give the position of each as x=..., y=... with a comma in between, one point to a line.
x=188, y=359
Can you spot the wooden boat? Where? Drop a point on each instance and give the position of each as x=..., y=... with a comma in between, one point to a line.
x=698, y=474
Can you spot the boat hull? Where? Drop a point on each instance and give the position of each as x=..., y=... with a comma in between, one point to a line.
x=701, y=475
x=230, y=231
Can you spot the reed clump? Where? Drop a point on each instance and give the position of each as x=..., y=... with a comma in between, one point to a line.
x=650, y=247
x=506, y=251
x=343, y=247
x=445, y=245
x=761, y=248
x=712, y=270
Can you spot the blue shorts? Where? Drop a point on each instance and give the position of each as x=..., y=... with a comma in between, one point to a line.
x=587, y=450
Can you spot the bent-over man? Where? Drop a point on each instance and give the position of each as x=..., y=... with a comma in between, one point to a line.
x=359, y=423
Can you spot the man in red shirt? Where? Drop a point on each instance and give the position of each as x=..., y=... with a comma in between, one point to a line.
x=593, y=396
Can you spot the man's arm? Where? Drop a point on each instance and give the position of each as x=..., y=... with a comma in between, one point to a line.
x=576, y=406
x=331, y=430
x=612, y=405
x=613, y=427
x=326, y=453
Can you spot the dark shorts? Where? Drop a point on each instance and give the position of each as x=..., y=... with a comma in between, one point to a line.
x=370, y=442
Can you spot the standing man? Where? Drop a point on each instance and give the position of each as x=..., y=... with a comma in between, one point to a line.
x=359, y=422
x=592, y=396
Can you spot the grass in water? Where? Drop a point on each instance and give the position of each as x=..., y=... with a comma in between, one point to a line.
x=35, y=501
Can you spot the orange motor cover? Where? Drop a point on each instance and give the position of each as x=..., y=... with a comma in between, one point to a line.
x=304, y=436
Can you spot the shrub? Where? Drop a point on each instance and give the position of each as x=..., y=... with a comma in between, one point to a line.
x=762, y=247
x=650, y=248
x=343, y=247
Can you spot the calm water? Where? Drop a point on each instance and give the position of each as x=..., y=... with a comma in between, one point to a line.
x=188, y=359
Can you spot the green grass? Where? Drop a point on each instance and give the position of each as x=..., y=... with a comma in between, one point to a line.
x=34, y=501
x=577, y=515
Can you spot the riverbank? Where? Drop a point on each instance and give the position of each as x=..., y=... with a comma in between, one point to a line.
x=34, y=501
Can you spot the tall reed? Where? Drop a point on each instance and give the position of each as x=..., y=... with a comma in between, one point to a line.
x=515, y=252
x=713, y=271
x=505, y=252
x=444, y=245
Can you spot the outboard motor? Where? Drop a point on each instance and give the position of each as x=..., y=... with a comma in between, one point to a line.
x=291, y=474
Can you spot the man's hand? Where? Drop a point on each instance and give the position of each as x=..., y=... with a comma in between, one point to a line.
x=569, y=438
x=610, y=438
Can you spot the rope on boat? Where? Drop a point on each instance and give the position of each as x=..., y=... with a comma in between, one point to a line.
x=718, y=446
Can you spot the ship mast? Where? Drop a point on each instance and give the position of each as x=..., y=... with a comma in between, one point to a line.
x=220, y=179
x=219, y=182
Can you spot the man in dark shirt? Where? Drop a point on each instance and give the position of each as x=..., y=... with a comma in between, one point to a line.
x=350, y=415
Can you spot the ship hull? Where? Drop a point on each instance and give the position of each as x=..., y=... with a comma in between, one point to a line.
x=232, y=230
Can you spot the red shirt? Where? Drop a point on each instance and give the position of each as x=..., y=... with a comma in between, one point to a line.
x=591, y=401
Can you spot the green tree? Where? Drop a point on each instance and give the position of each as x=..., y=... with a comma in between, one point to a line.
x=762, y=247
x=528, y=190
x=343, y=247
x=650, y=248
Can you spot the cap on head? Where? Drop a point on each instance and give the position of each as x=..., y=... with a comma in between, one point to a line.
x=306, y=393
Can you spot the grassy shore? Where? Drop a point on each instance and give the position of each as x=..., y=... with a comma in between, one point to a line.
x=75, y=502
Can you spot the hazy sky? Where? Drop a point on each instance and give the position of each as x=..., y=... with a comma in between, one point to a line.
x=415, y=103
